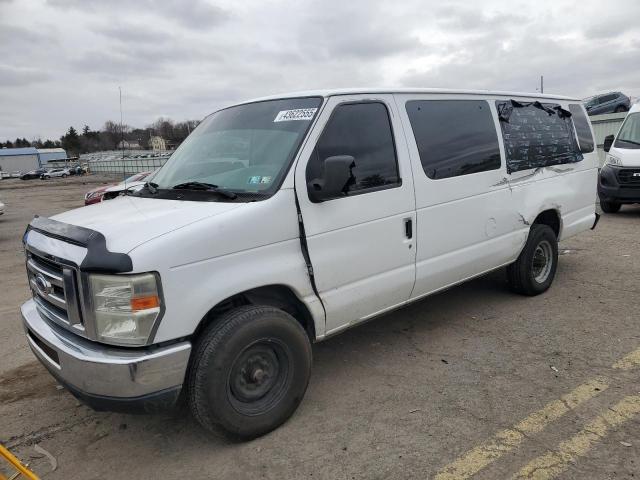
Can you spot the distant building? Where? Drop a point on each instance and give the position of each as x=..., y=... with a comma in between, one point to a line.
x=19, y=159
x=129, y=145
x=51, y=155
x=159, y=143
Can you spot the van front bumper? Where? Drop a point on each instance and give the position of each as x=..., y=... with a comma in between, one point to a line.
x=106, y=377
x=610, y=189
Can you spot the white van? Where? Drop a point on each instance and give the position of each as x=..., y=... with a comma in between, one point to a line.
x=284, y=220
x=619, y=181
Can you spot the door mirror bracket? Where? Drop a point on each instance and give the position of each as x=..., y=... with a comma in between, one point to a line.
x=336, y=177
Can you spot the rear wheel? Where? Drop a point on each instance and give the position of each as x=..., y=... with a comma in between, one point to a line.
x=620, y=109
x=249, y=371
x=609, y=207
x=534, y=270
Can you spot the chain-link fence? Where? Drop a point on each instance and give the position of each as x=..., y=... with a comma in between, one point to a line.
x=113, y=163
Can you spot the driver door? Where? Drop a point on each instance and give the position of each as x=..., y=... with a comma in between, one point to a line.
x=362, y=243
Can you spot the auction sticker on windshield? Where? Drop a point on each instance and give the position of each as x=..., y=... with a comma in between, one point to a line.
x=296, y=114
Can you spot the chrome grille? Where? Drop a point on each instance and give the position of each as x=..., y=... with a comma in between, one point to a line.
x=54, y=288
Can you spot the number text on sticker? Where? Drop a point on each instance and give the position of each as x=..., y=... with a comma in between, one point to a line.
x=296, y=114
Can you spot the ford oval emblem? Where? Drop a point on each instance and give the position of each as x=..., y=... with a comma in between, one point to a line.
x=42, y=284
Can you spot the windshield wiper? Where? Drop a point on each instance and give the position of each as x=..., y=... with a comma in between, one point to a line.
x=208, y=187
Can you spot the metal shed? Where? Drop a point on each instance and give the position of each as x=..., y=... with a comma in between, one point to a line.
x=19, y=159
x=603, y=125
x=51, y=154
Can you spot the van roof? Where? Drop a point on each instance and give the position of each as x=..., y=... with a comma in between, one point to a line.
x=354, y=91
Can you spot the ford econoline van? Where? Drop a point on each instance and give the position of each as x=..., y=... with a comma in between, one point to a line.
x=619, y=181
x=284, y=220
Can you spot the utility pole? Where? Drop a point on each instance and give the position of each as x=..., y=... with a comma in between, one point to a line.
x=541, y=83
x=124, y=170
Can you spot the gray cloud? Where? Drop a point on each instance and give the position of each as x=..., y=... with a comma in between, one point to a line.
x=15, y=76
x=133, y=33
x=193, y=14
x=61, y=61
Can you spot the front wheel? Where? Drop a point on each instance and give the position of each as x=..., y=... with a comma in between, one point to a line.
x=533, y=272
x=610, y=207
x=249, y=372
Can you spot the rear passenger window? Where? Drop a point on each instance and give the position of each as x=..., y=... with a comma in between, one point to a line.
x=362, y=130
x=454, y=137
x=583, y=129
x=536, y=135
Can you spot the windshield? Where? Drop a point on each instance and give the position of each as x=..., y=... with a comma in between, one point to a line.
x=590, y=102
x=242, y=149
x=629, y=136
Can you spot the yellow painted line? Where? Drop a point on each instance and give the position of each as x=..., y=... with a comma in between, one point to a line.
x=550, y=465
x=506, y=440
x=628, y=362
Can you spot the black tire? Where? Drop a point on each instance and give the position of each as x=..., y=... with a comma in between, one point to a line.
x=527, y=275
x=620, y=109
x=64, y=175
x=610, y=207
x=249, y=372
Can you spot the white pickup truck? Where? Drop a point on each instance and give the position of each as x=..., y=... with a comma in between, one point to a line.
x=284, y=220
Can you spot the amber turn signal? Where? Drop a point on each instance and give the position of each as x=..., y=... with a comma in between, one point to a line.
x=145, y=303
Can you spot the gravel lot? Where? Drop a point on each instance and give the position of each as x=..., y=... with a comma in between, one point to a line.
x=472, y=381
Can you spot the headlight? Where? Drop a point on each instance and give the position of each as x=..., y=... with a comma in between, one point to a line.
x=125, y=307
x=611, y=160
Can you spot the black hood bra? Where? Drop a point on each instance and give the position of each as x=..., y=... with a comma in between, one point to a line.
x=98, y=258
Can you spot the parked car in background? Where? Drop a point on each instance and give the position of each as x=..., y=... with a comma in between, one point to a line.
x=56, y=172
x=1, y=208
x=96, y=195
x=283, y=221
x=614, y=102
x=33, y=174
x=619, y=179
x=15, y=174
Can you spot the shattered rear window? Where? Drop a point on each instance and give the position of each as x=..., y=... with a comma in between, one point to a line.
x=536, y=135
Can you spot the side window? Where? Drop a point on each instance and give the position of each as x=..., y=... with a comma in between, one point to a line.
x=536, y=135
x=581, y=122
x=607, y=98
x=454, y=137
x=363, y=131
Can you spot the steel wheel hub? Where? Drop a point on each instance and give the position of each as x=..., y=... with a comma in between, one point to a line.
x=542, y=261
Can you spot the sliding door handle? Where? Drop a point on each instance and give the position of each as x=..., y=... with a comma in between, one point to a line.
x=408, y=227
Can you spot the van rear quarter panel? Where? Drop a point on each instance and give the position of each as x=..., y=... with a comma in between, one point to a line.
x=569, y=189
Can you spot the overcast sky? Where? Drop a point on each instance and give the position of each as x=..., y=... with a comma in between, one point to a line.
x=61, y=61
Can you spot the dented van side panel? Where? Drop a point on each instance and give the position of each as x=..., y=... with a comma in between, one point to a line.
x=566, y=189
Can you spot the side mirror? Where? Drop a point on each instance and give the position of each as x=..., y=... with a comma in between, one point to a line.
x=335, y=177
x=608, y=141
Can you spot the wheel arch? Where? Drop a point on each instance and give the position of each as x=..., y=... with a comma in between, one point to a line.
x=552, y=218
x=277, y=295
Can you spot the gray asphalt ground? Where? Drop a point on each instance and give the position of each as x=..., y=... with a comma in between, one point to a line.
x=475, y=382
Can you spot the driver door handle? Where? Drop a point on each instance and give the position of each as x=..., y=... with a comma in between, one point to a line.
x=408, y=227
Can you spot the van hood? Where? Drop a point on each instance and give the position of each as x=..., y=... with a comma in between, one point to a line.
x=629, y=157
x=127, y=222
